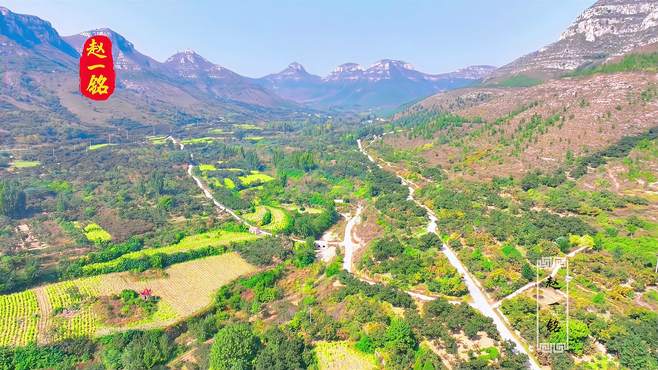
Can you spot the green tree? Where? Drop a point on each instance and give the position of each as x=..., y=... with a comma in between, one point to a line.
x=267, y=218
x=234, y=348
x=283, y=351
x=399, y=333
x=304, y=253
x=12, y=199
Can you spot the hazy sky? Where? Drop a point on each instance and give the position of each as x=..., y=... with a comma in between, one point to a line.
x=255, y=38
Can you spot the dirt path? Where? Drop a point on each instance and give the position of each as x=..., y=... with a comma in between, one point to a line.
x=480, y=300
x=348, y=242
x=553, y=273
x=45, y=310
x=614, y=180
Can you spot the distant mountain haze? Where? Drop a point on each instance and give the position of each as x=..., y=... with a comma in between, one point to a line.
x=385, y=84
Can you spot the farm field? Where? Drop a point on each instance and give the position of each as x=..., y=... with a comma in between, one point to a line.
x=19, y=313
x=342, y=356
x=25, y=164
x=214, y=238
x=199, y=140
x=66, y=309
x=95, y=233
x=99, y=146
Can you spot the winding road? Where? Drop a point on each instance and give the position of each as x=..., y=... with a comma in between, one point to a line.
x=480, y=301
x=208, y=194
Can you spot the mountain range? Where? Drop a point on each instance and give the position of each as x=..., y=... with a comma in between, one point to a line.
x=386, y=83
x=40, y=77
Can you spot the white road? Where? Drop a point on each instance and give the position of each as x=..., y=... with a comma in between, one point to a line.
x=480, y=301
x=348, y=243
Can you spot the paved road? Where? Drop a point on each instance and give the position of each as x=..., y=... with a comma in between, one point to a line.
x=480, y=301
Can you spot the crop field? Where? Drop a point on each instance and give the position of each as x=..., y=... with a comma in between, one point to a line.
x=342, y=356
x=199, y=140
x=71, y=299
x=255, y=178
x=19, y=315
x=99, y=146
x=95, y=233
x=25, y=164
x=207, y=167
x=229, y=183
x=280, y=219
x=214, y=238
x=68, y=310
x=248, y=126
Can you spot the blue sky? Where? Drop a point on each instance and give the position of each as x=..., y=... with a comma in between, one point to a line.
x=254, y=38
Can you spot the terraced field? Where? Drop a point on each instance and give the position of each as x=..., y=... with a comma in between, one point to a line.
x=214, y=238
x=68, y=310
x=279, y=219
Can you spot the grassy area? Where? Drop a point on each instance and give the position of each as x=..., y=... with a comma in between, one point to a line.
x=95, y=233
x=69, y=311
x=645, y=248
x=25, y=164
x=519, y=81
x=342, y=356
x=631, y=62
x=255, y=178
x=211, y=238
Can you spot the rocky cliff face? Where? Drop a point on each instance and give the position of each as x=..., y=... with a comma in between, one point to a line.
x=608, y=28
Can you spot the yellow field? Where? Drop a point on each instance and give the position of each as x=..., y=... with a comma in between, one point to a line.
x=255, y=178
x=342, y=356
x=64, y=310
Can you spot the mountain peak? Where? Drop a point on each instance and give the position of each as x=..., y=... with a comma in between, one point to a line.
x=118, y=41
x=606, y=29
x=386, y=64
x=190, y=59
x=30, y=31
x=296, y=67
x=189, y=64
x=126, y=57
